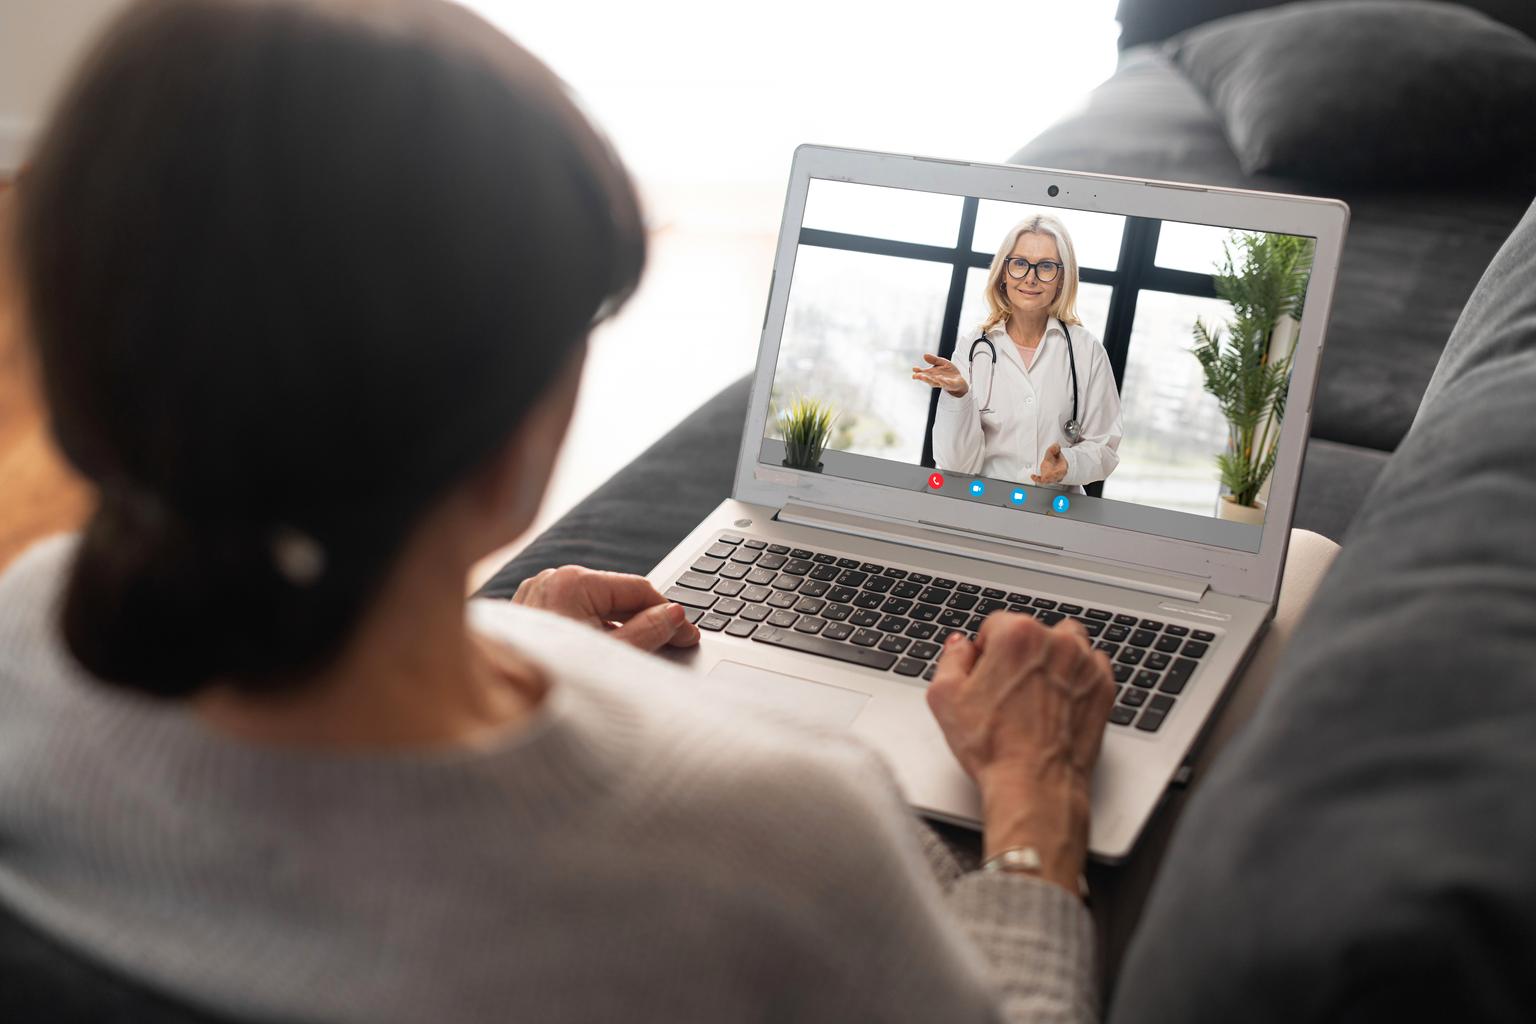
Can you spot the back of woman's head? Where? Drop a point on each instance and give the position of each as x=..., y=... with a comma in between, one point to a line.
x=294, y=270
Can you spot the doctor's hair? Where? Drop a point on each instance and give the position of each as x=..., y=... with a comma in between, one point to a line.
x=1065, y=306
x=295, y=271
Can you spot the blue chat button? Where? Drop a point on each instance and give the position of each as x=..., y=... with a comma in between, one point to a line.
x=1018, y=497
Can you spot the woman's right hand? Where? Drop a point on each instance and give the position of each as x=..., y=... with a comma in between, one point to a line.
x=1024, y=708
x=941, y=373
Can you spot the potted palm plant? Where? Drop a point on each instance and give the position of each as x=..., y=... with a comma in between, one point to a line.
x=805, y=426
x=1264, y=277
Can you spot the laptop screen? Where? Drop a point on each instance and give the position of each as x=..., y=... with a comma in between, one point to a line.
x=1116, y=370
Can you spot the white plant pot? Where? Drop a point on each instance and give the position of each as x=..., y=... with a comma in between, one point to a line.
x=1231, y=511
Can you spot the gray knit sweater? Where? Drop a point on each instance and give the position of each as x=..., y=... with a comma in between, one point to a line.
x=640, y=852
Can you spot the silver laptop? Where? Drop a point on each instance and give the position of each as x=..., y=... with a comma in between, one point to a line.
x=826, y=583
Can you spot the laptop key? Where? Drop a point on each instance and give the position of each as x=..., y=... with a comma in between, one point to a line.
x=1122, y=715
x=697, y=580
x=896, y=574
x=1044, y=602
x=1151, y=624
x=1090, y=627
x=1146, y=679
x=993, y=594
x=1143, y=638
x=868, y=599
x=1172, y=630
x=879, y=584
x=784, y=581
x=1178, y=676
x=712, y=622
x=1195, y=649
x=872, y=568
x=853, y=578
x=798, y=566
x=921, y=578
x=731, y=538
x=892, y=624
x=693, y=615
x=895, y=644
x=1108, y=648
x=1168, y=644
x=755, y=612
x=1160, y=702
x=741, y=627
x=925, y=612
x=864, y=617
x=1050, y=618
x=1156, y=661
x=837, y=631
x=822, y=558
x=720, y=551
x=788, y=638
x=1116, y=634
x=1134, y=698
x=783, y=617
x=934, y=595
x=1125, y=620
x=1100, y=614
x=825, y=573
x=906, y=589
x=782, y=599
x=1150, y=720
x=1122, y=673
x=779, y=549
x=928, y=674
x=925, y=650
x=1022, y=609
x=965, y=602
x=810, y=606
x=1204, y=635
x=836, y=612
x=755, y=594
x=1014, y=597
x=745, y=555
x=896, y=606
x=921, y=630
x=1131, y=656
x=810, y=588
x=800, y=553
x=989, y=605
x=755, y=544
x=760, y=576
x=733, y=570
x=1070, y=609
x=772, y=561
x=690, y=598
x=847, y=563
x=968, y=588
x=910, y=667
x=866, y=637
x=809, y=624
x=728, y=588
x=842, y=595
x=954, y=617
x=974, y=623
x=729, y=606
x=944, y=584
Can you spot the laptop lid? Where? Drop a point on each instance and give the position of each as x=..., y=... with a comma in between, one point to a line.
x=883, y=258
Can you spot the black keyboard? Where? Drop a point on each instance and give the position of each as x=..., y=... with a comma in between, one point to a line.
x=896, y=620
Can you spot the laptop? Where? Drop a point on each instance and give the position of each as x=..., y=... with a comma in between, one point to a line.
x=826, y=583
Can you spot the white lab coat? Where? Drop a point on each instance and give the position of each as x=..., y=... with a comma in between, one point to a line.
x=1029, y=409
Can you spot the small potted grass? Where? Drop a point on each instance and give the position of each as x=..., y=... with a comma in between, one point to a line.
x=805, y=426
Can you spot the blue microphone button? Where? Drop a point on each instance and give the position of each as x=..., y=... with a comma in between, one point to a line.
x=1061, y=504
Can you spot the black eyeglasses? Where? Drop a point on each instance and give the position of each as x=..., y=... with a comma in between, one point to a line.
x=1045, y=270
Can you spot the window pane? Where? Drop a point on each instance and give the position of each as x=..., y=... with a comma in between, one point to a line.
x=855, y=326
x=900, y=214
x=1192, y=247
x=1095, y=236
x=1173, y=428
x=1092, y=306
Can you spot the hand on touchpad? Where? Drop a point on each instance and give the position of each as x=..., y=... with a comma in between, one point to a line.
x=816, y=703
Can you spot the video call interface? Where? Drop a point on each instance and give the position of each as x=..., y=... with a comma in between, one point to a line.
x=1122, y=371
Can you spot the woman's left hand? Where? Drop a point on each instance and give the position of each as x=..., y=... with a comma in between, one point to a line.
x=626, y=606
x=1052, y=468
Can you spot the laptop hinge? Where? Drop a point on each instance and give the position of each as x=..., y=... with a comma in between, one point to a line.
x=994, y=548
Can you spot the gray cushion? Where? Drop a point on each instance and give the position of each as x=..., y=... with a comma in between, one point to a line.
x=1335, y=479
x=1364, y=850
x=1369, y=91
x=1393, y=307
x=1148, y=21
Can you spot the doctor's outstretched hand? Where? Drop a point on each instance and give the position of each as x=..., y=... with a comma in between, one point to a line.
x=1023, y=707
x=941, y=373
x=1052, y=467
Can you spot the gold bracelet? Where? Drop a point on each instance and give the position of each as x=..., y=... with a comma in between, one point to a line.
x=1025, y=860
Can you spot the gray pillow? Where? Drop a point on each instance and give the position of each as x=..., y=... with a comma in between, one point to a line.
x=1366, y=850
x=1369, y=91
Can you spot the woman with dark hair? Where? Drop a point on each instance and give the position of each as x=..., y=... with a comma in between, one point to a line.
x=310, y=285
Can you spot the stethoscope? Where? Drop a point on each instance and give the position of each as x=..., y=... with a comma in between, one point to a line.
x=1072, y=428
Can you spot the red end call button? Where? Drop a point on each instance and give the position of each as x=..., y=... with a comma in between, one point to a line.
x=936, y=481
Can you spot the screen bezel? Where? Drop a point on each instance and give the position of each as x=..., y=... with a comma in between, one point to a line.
x=1239, y=573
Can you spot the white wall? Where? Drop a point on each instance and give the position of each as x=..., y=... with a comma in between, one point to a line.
x=40, y=40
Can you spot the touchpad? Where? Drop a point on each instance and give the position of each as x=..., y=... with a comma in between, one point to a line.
x=817, y=703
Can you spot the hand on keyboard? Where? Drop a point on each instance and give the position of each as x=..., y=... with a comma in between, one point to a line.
x=627, y=606
x=1024, y=707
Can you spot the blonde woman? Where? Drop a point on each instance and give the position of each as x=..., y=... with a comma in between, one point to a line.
x=1031, y=396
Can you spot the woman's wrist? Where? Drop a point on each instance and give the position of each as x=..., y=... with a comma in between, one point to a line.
x=1047, y=812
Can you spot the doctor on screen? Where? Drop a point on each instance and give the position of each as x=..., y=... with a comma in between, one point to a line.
x=1030, y=395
